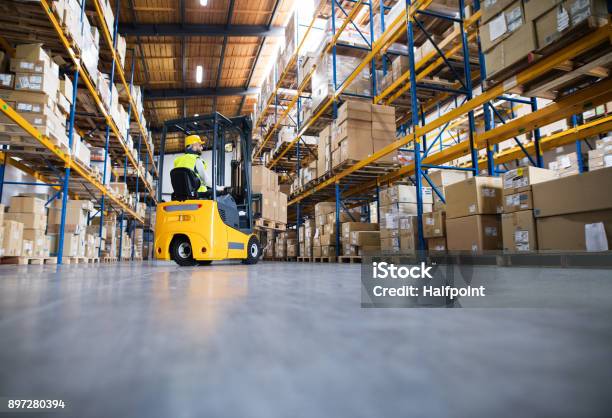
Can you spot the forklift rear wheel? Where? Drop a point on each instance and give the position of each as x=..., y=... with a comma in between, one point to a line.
x=182, y=253
x=253, y=251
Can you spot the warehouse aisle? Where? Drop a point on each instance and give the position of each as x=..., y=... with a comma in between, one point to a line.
x=285, y=339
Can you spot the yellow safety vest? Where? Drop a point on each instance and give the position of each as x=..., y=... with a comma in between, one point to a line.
x=189, y=161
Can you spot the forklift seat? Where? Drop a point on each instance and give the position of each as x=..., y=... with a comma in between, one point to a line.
x=185, y=184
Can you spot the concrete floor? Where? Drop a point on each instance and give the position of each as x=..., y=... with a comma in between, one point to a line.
x=287, y=340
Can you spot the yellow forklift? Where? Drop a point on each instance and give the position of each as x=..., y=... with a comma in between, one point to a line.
x=196, y=228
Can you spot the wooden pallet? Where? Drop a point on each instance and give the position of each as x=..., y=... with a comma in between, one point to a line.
x=349, y=259
x=330, y=259
x=304, y=259
x=268, y=224
x=80, y=260
x=28, y=260
x=108, y=259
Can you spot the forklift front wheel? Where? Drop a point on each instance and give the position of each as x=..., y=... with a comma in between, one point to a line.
x=181, y=251
x=253, y=251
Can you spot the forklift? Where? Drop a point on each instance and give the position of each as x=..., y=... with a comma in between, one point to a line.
x=196, y=228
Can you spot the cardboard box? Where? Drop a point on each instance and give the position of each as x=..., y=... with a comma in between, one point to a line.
x=351, y=149
x=349, y=227
x=408, y=243
x=402, y=193
x=354, y=110
x=518, y=201
x=323, y=208
x=383, y=113
x=519, y=231
x=26, y=204
x=76, y=216
x=29, y=220
x=26, y=248
x=365, y=238
x=328, y=239
x=491, y=8
x=474, y=196
x=436, y=244
x=390, y=245
x=474, y=233
x=553, y=24
x=354, y=130
x=511, y=50
x=7, y=81
x=443, y=178
x=38, y=239
x=328, y=251
x=547, y=28
x=569, y=232
x=263, y=179
x=536, y=8
x=282, y=208
x=399, y=66
x=520, y=179
x=13, y=237
x=500, y=26
x=434, y=224
x=316, y=251
x=573, y=194
x=71, y=245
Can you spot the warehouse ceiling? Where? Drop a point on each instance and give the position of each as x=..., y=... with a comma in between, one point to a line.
x=234, y=41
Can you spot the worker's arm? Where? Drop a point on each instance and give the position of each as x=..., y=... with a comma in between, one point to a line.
x=199, y=167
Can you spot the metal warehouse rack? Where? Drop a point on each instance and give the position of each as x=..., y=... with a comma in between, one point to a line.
x=53, y=166
x=359, y=182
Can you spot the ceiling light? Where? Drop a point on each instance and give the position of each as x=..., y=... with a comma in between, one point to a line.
x=196, y=115
x=204, y=3
x=199, y=74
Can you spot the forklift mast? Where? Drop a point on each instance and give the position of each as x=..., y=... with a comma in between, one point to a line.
x=218, y=129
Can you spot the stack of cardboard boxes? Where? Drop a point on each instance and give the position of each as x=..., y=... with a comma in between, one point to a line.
x=360, y=238
x=565, y=160
x=434, y=223
x=574, y=213
x=109, y=244
x=75, y=231
x=473, y=208
x=138, y=239
x=270, y=243
x=518, y=222
x=322, y=80
x=37, y=95
x=86, y=38
x=32, y=213
x=360, y=130
x=601, y=156
x=286, y=244
x=512, y=29
x=274, y=202
x=126, y=245
x=12, y=237
x=291, y=243
x=398, y=220
x=306, y=234
x=324, y=240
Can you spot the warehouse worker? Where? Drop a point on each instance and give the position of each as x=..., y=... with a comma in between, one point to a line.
x=191, y=160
